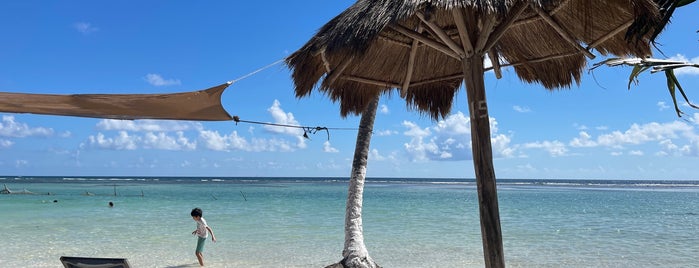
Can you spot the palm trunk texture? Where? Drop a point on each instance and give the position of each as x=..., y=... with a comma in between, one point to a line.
x=355, y=254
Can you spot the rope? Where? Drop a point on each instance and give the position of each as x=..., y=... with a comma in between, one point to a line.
x=255, y=71
x=306, y=129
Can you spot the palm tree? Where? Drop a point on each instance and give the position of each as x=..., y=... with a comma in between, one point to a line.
x=426, y=49
x=355, y=253
x=656, y=65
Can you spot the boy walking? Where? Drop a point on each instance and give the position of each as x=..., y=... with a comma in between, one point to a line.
x=202, y=232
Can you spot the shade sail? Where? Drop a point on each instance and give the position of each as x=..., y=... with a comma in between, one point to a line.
x=202, y=105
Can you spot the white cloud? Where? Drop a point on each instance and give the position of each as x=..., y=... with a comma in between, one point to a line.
x=375, y=156
x=157, y=80
x=384, y=109
x=5, y=143
x=85, y=28
x=583, y=140
x=662, y=106
x=186, y=136
x=282, y=118
x=185, y=164
x=686, y=70
x=10, y=128
x=636, y=152
x=164, y=142
x=665, y=135
x=520, y=109
x=554, y=148
x=212, y=140
x=21, y=163
x=123, y=141
x=386, y=132
x=147, y=125
x=414, y=130
x=327, y=147
x=450, y=139
x=638, y=134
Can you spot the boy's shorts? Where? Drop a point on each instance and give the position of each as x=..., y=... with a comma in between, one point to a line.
x=200, y=244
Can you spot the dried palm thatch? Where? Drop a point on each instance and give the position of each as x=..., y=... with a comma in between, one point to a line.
x=415, y=46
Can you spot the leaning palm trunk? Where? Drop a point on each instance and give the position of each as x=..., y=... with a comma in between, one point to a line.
x=355, y=253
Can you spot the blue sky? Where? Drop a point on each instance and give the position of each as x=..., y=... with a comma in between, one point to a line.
x=598, y=130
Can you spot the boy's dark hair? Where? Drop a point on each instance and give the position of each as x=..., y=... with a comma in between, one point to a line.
x=196, y=212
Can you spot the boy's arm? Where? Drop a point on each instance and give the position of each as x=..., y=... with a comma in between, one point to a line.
x=213, y=237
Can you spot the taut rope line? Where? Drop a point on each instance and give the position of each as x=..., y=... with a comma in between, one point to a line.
x=255, y=71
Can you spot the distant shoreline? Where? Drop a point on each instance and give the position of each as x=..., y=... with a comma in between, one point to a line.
x=577, y=183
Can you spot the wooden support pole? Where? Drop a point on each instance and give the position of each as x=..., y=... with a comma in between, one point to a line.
x=482, y=150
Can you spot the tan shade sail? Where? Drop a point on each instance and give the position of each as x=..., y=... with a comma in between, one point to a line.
x=202, y=105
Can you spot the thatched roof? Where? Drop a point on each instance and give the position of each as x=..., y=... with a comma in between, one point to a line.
x=415, y=46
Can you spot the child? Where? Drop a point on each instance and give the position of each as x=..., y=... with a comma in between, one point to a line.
x=201, y=233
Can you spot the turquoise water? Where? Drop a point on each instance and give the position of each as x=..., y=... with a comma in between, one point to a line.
x=298, y=222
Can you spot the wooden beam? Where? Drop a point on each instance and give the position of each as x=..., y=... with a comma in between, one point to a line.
x=386, y=84
x=393, y=41
x=504, y=25
x=330, y=79
x=442, y=35
x=542, y=59
x=443, y=78
x=325, y=61
x=562, y=32
x=609, y=35
x=495, y=61
x=537, y=18
x=486, y=30
x=425, y=40
x=409, y=70
x=458, y=15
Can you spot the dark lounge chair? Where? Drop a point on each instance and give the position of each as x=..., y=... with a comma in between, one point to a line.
x=88, y=262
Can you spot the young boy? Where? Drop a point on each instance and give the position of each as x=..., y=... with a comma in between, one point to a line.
x=202, y=232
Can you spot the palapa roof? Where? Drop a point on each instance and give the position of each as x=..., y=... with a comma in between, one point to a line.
x=415, y=46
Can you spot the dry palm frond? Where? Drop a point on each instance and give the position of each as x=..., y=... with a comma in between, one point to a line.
x=641, y=65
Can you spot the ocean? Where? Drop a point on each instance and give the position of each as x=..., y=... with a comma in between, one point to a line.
x=299, y=222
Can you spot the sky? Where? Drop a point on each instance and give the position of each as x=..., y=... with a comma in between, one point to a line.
x=599, y=129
